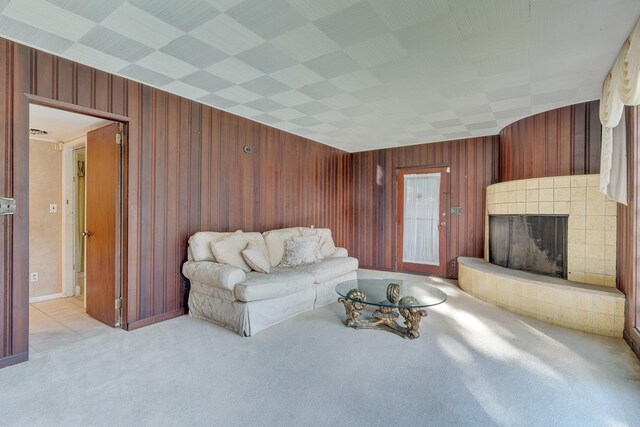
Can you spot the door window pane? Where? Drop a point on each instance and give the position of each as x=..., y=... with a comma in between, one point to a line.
x=420, y=235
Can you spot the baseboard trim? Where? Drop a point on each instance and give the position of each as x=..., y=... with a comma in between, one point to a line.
x=631, y=341
x=13, y=360
x=45, y=297
x=155, y=319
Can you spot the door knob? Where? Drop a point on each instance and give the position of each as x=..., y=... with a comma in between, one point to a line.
x=86, y=233
x=443, y=223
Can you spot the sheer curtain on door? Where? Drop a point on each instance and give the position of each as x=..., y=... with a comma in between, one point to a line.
x=421, y=237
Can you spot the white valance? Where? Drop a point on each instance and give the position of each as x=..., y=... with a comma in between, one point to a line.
x=621, y=87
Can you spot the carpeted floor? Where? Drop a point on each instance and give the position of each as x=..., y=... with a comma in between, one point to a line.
x=474, y=364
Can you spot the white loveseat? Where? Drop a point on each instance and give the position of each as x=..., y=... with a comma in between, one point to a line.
x=248, y=302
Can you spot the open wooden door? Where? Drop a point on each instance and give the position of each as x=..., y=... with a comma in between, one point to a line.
x=102, y=180
x=422, y=220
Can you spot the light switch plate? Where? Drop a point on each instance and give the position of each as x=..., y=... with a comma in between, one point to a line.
x=53, y=208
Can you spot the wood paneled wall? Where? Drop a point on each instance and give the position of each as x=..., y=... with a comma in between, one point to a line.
x=564, y=141
x=473, y=165
x=285, y=180
x=628, y=229
x=185, y=171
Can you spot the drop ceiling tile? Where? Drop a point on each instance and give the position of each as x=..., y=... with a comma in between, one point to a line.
x=417, y=38
x=115, y=44
x=333, y=65
x=50, y=18
x=94, y=10
x=552, y=97
x=286, y=114
x=266, y=58
x=352, y=25
x=456, y=135
x=320, y=90
x=297, y=76
x=306, y=121
x=478, y=118
x=265, y=105
x=223, y=5
x=313, y=107
x=509, y=62
x=490, y=125
x=217, y=101
x=87, y=55
x=145, y=75
x=227, y=35
x=509, y=92
x=446, y=123
x=469, y=101
x=182, y=89
x=244, y=111
x=473, y=110
x=402, y=69
x=330, y=116
x=267, y=18
x=167, y=65
x=322, y=127
x=513, y=113
x=139, y=25
x=341, y=101
x=234, y=70
x=399, y=14
x=316, y=9
x=489, y=16
x=265, y=86
x=206, y=81
x=184, y=14
x=418, y=128
x=355, y=81
x=194, y=51
x=28, y=34
x=267, y=119
x=238, y=94
x=305, y=43
x=291, y=98
x=377, y=50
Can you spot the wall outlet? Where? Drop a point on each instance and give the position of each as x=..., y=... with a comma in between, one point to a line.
x=53, y=208
x=34, y=277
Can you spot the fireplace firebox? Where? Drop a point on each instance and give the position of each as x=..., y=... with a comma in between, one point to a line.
x=534, y=243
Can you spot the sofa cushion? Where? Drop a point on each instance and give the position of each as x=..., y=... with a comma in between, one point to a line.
x=300, y=253
x=200, y=245
x=327, y=246
x=330, y=268
x=256, y=258
x=274, y=239
x=260, y=286
x=228, y=250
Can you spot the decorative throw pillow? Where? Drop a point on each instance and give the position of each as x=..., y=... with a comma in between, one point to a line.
x=256, y=259
x=327, y=247
x=300, y=253
x=228, y=251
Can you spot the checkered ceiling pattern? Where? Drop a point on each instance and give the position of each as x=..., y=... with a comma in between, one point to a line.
x=353, y=74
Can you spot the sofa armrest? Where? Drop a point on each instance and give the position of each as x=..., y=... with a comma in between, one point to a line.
x=212, y=273
x=340, y=252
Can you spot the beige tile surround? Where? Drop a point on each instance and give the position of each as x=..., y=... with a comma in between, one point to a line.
x=591, y=308
x=591, y=252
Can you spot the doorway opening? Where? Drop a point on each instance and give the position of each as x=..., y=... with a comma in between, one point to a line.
x=66, y=302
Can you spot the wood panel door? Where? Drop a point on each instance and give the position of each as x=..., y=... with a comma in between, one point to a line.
x=422, y=220
x=102, y=179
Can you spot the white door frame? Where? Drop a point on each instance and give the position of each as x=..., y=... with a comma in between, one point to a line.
x=68, y=213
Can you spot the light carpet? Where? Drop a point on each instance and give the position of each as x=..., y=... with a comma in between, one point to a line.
x=474, y=364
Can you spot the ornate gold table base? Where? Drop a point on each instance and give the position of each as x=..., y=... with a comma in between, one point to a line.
x=384, y=318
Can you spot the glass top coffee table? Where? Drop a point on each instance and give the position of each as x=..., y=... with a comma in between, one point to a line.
x=392, y=298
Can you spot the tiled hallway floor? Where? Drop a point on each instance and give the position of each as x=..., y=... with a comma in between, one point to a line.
x=56, y=323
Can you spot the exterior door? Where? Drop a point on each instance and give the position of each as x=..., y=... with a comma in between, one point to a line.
x=422, y=220
x=102, y=180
